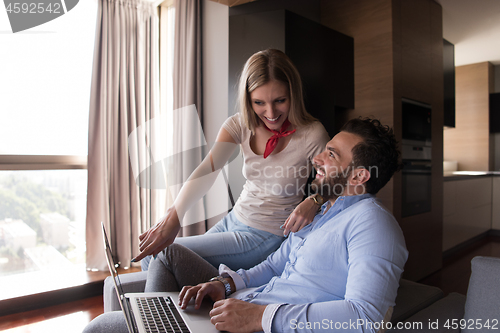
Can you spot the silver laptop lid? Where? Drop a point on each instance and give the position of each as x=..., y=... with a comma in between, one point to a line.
x=116, y=280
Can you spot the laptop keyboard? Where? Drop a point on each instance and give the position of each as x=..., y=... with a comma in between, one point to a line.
x=159, y=314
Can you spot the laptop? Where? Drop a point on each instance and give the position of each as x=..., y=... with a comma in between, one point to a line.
x=157, y=312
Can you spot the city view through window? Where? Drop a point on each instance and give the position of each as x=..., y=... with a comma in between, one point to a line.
x=42, y=220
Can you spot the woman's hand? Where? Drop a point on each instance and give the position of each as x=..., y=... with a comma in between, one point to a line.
x=159, y=236
x=301, y=216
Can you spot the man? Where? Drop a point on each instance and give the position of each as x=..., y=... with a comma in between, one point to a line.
x=341, y=272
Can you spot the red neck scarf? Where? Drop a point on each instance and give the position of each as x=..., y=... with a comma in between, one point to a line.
x=273, y=140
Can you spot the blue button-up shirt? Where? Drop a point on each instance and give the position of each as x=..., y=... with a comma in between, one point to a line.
x=340, y=272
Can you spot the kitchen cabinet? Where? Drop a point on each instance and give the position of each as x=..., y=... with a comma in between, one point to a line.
x=495, y=212
x=495, y=113
x=467, y=209
x=449, y=83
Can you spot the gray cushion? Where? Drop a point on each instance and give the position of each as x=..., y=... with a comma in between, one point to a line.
x=131, y=283
x=433, y=318
x=413, y=297
x=483, y=295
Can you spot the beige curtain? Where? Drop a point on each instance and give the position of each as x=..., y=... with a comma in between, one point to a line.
x=187, y=91
x=124, y=96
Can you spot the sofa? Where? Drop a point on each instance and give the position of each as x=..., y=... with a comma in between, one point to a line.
x=419, y=308
x=478, y=311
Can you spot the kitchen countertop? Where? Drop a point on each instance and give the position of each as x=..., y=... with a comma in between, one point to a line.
x=462, y=175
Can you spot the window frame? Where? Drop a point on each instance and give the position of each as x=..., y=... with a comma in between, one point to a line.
x=42, y=162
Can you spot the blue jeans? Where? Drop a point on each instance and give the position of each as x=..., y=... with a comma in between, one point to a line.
x=230, y=242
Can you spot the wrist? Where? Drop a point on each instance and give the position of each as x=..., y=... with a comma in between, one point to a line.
x=228, y=289
x=259, y=325
x=317, y=199
x=231, y=282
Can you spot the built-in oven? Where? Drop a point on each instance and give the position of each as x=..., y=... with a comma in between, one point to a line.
x=417, y=158
x=417, y=187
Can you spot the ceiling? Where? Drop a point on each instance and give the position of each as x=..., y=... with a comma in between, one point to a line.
x=473, y=26
x=232, y=3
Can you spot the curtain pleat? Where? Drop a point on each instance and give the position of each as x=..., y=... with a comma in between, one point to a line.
x=187, y=78
x=124, y=96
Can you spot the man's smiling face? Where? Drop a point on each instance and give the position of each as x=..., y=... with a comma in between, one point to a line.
x=334, y=165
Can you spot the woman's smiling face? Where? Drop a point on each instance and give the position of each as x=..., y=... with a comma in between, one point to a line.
x=271, y=103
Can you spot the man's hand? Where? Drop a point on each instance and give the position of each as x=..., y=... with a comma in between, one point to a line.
x=234, y=315
x=215, y=290
x=301, y=216
x=159, y=236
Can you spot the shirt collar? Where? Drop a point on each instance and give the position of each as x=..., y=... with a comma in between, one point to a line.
x=342, y=202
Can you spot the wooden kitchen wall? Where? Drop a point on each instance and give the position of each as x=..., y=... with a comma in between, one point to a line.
x=469, y=142
x=419, y=76
x=369, y=22
x=398, y=47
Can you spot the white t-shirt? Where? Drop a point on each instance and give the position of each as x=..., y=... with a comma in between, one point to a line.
x=275, y=185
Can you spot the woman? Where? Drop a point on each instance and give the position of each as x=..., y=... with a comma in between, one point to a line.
x=278, y=139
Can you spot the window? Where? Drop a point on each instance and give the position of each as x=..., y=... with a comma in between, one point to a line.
x=44, y=106
x=162, y=145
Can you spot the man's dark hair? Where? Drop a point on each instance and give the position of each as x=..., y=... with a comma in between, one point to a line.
x=378, y=152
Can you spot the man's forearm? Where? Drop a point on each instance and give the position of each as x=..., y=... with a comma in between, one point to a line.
x=321, y=317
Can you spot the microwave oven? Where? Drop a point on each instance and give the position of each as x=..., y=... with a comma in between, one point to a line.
x=416, y=121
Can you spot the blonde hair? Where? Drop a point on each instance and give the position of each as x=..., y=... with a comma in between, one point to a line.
x=262, y=67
